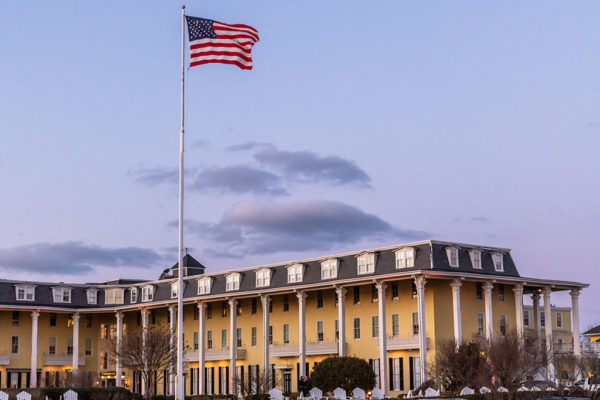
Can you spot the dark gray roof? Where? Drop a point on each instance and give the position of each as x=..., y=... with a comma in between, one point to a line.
x=594, y=331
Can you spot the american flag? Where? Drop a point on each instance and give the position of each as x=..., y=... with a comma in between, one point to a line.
x=216, y=42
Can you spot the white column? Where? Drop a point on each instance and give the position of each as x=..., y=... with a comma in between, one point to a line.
x=145, y=313
x=575, y=325
x=264, y=299
x=34, y=348
x=382, y=338
x=232, y=344
x=75, y=343
x=119, y=316
x=201, y=352
x=518, y=290
x=420, y=284
x=456, y=284
x=173, y=326
x=535, y=298
x=302, y=332
x=548, y=318
x=341, y=295
x=489, y=318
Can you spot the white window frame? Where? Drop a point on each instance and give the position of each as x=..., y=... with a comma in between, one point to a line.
x=559, y=319
x=147, y=293
x=28, y=292
x=295, y=273
x=110, y=296
x=405, y=257
x=329, y=268
x=232, y=282
x=452, y=254
x=263, y=277
x=502, y=321
x=92, y=296
x=61, y=294
x=526, y=321
x=496, y=256
x=365, y=264
x=204, y=285
x=133, y=295
x=174, y=288
x=475, y=255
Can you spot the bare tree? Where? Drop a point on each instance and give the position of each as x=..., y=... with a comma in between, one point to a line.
x=568, y=367
x=150, y=354
x=258, y=385
x=457, y=367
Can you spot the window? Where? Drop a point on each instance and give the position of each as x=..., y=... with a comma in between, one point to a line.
x=147, y=293
x=238, y=336
x=329, y=269
x=452, y=253
x=366, y=263
x=133, y=295
x=559, y=323
x=475, y=258
x=263, y=277
x=480, y=323
x=223, y=309
x=61, y=295
x=88, y=320
x=52, y=345
x=223, y=338
x=114, y=296
x=209, y=339
x=286, y=303
x=542, y=319
x=25, y=292
x=16, y=318
x=270, y=334
x=501, y=292
x=92, y=296
x=209, y=311
x=374, y=294
x=238, y=308
x=479, y=290
x=204, y=285
x=397, y=381
x=394, y=290
x=526, y=318
x=174, y=290
x=52, y=319
x=195, y=340
x=88, y=346
x=497, y=258
x=413, y=290
x=254, y=306
x=356, y=297
x=70, y=345
x=415, y=323
x=232, y=282
x=356, y=324
x=14, y=348
x=375, y=326
x=336, y=329
x=405, y=258
x=395, y=325
x=253, y=336
x=319, y=299
x=503, y=324
x=286, y=333
x=416, y=372
x=196, y=313
x=295, y=273
x=320, y=331
x=153, y=316
x=104, y=360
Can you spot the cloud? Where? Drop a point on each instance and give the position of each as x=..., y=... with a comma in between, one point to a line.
x=250, y=228
x=308, y=167
x=149, y=177
x=239, y=179
x=249, y=146
x=73, y=257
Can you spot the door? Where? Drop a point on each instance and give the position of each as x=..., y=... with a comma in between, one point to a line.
x=287, y=382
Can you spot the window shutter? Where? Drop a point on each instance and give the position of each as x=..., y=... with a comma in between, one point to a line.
x=401, y=373
x=227, y=380
x=241, y=378
x=390, y=373
x=411, y=372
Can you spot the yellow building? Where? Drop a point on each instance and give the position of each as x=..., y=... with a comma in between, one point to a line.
x=391, y=306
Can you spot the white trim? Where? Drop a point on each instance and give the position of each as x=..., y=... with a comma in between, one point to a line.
x=232, y=281
x=498, y=267
x=472, y=253
x=405, y=257
x=365, y=263
x=204, y=285
x=95, y=298
x=263, y=277
x=26, y=288
x=453, y=256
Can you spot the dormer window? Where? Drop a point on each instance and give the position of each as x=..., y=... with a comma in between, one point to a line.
x=475, y=258
x=174, y=286
x=114, y=296
x=133, y=295
x=498, y=260
x=61, y=295
x=263, y=277
x=366, y=263
x=452, y=253
x=405, y=258
x=25, y=292
x=147, y=293
x=204, y=285
x=329, y=269
x=295, y=273
x=92, y=296
x=232, y=282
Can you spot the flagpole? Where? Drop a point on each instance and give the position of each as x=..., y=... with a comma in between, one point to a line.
x=180, y=394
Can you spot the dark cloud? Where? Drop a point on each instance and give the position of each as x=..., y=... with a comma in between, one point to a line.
x=155, y=176
x=239, y=179
x=249, y=146
x=308, y=167
x=73, y=257
x=249, y=228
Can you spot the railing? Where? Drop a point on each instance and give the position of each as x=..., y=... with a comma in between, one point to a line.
x=568, y=348
x=61, y=359
x=214, y=355
x=312, y=349
x=4, y=359
x=402, y=343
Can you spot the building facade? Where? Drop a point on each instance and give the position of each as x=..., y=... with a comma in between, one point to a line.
x=391, y=306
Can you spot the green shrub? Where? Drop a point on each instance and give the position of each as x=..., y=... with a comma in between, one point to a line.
x=344, y=372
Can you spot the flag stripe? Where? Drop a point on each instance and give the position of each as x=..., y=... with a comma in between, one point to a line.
x=233, y=62
x=238, y=27
x=221, y=53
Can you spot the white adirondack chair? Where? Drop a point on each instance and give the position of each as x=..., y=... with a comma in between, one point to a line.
x=466, y=390
x=275, y=394
x=378, y=394
x=523, y=389
x=535, y=389
x=431, y=392
x=358, y=393
x=339, y=394
x=3, y=396
x=502, y=389
x=484, y=390
x=316, y=393
x=70, y=395
x=23, y=396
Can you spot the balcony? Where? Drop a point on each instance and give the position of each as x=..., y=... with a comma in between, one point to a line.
x=312, y=349
x=402, y=343
x=213, y=355
x=4, y=359
x=61, y=359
